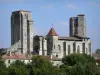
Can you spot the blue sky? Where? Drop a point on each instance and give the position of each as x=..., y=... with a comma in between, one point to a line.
x=48, y=12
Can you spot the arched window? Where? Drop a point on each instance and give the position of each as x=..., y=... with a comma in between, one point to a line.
x=89, y=47
x=78, y=49
x=59, y=47
x=68, y=49
x=74, y=49
x=83, y=49
x=86, y=50
x=64, y=48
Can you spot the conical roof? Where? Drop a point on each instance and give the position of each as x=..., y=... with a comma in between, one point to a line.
x=52, y=32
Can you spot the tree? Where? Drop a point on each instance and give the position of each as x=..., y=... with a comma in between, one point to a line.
x=77, y=69
x=72, y=59
x=18, y=63
x=98, y=51
x=90, y=69
x=79, y=64
x=3, y=71
x=40, y=66
x=13, y=70
x=17, y=68
x=74, y=64
x=65, y=69
x=2, y=64
x=97, y=73
x=89, y=58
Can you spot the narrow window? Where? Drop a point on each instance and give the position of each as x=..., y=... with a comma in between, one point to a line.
x=64, y=48
x=86, y=50
x=78, y=49
x=89, y=45
x=54, y=46
x=83, y=50
x=68, y=49
x=59, y=47
x=74, y=50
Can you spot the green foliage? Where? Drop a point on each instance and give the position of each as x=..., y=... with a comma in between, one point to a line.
x=2, y=64
x=90, y=69
x=39, y=61
x=17, y=68
x=89, y=58
x=41, y=67
x=2, y=67
x=3, y=71
x=97, y=73
x=74, y=64
x=72, y=59
x=81, y=64
x=18, y=63
x=66, y=69
x=13, y=70
x=77, y=69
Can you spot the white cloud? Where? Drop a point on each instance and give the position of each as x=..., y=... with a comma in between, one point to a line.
x=72, y=6
x=47, y=6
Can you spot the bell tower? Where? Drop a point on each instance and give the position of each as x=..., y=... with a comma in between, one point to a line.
x=22, y=31
x=78, y=26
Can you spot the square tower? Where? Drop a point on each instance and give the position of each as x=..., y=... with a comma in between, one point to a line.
x=78, y=26
x=22, y=31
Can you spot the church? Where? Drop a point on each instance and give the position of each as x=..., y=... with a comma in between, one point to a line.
x=60, y=46
x=24, y=44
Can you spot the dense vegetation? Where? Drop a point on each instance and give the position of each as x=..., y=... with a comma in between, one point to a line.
x=74, y=64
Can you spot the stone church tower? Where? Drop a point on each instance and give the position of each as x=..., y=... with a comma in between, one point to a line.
x=52, y=43
x=78, y=26
x=22, y=32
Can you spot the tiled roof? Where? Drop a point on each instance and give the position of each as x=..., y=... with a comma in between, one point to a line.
x=52, y=32
x=24, y=57
x=69, y=38
x=98, y=60
x=96, y=55
x=81, y=37
x=15, y=56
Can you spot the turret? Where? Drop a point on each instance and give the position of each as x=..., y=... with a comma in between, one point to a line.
x=52, y=38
